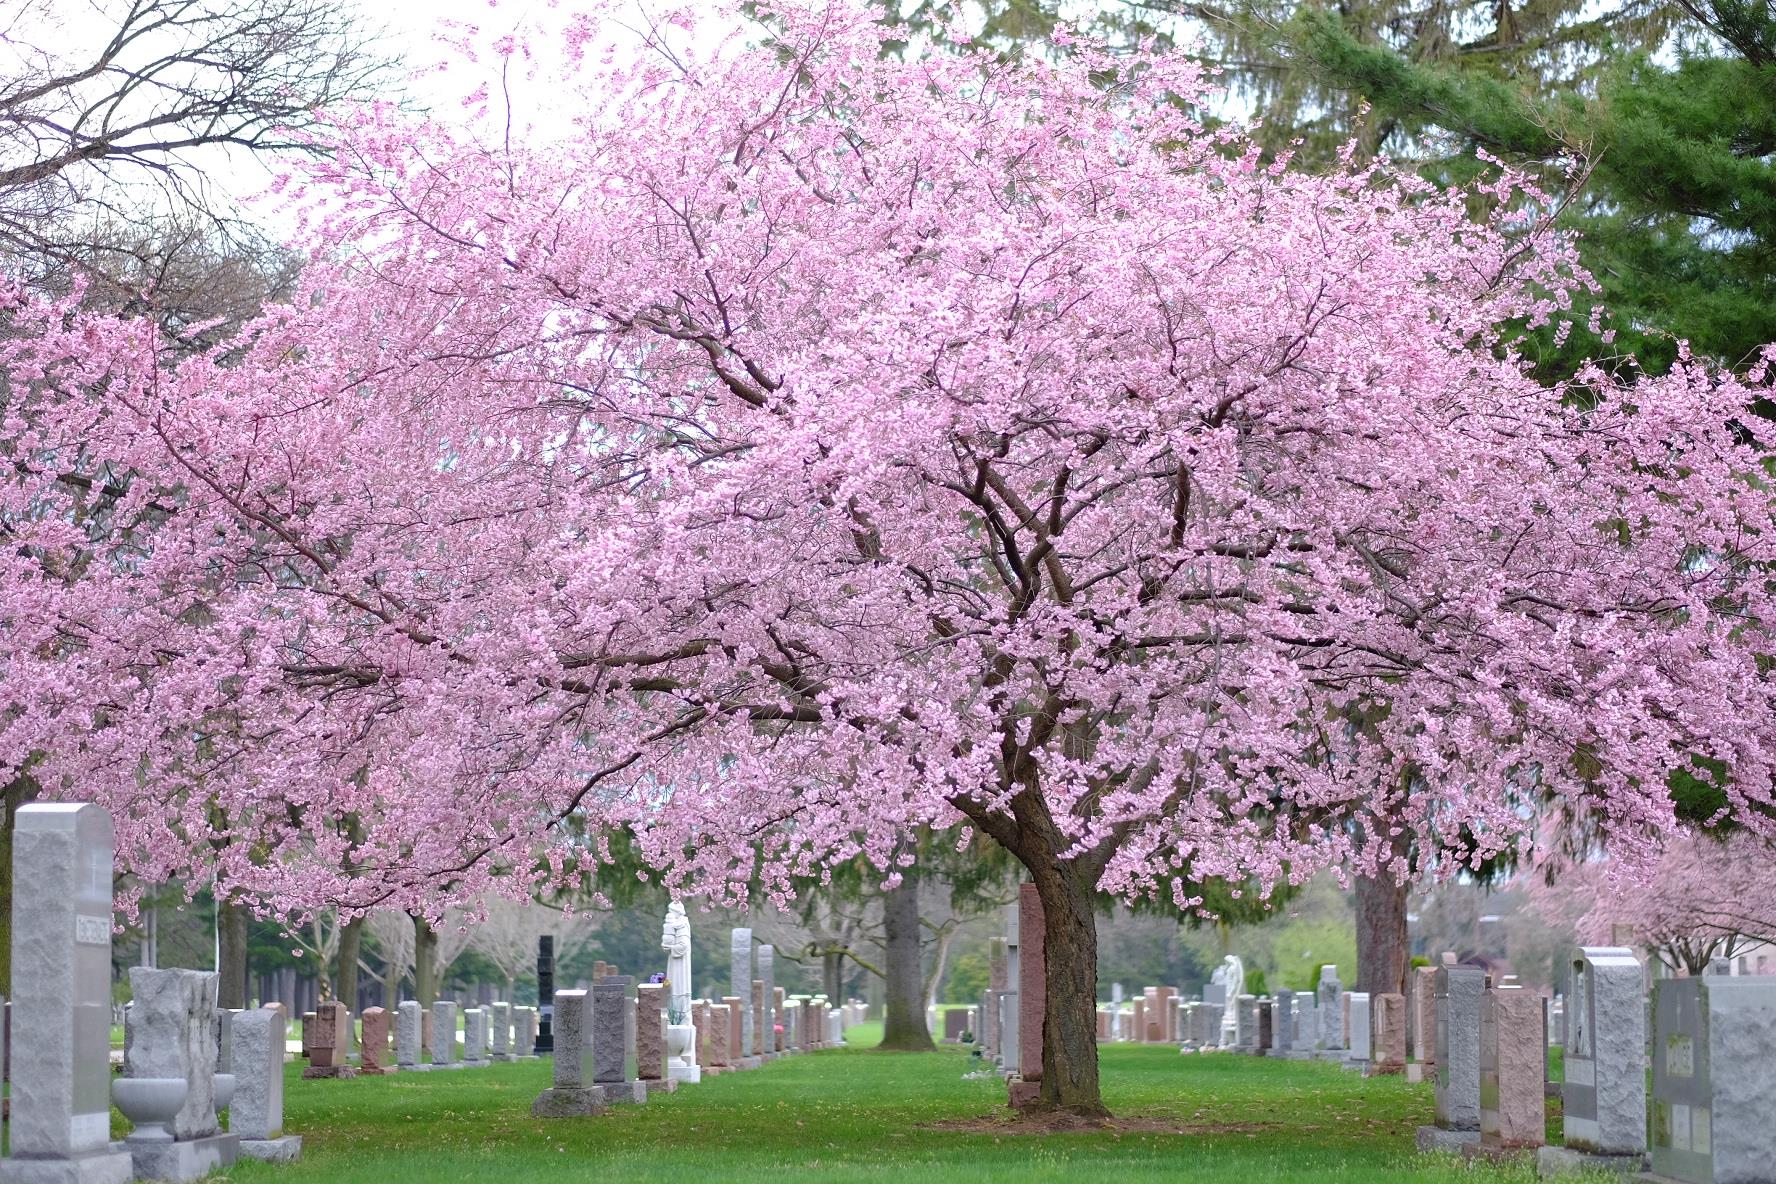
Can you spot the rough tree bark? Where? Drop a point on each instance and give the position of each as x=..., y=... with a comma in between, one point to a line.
x=1070, y=1009
x=351, y=943
x=425, y=956
x=1383, y=953
x=231, y=933
x=903, y=1019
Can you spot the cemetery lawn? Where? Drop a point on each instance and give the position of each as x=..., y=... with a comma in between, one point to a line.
x=853, y=1114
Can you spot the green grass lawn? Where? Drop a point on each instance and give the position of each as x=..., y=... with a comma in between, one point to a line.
x=853, y=1114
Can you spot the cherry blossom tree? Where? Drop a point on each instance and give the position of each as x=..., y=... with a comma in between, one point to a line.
x=816, y=444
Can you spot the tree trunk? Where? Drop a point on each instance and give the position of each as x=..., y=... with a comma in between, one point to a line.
x=231, y=954
x=833, y=975
x=425, y=959
x=391, y=981
x=903, y=1020
x=351, y=942
x=1383, y=953
x=1070, y=980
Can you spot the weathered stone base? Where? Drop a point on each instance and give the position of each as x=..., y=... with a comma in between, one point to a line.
x=504, y=1056
x=376, y=1070
x=448, y=1065
x=1435, y=1138
x=1381, y=1069
x=476, y=1064
x=1415, y=1073
x=1565, y=1161
x=622, y=1092
x=99, y=1167
x=567, y=1103
x=748, y=1063
x=685, y=1074
x=1021, y=1094
x=1354, y=1066
x=183, y=1159
x=285, y=1149
x=659, y=1086
x=1300, y=1056
x=1550, y=1089
x=413, y=1068
x=1497, y=1153
x=316, y=1072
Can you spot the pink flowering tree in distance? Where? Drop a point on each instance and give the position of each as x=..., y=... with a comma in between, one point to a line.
x=1690, y=900
x=812, y=445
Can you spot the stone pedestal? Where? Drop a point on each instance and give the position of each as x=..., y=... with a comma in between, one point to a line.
x=183, y=1159
x=409, y=1035
x=499, y=1017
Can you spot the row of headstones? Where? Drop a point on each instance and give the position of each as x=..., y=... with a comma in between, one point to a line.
x=499, y=1032
x=1713, y=1078
x=596, y=1044
x=599, y=1034
x=1153, y=1017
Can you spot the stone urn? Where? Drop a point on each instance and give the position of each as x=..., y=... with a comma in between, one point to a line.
x=222, y=1085
x=681, y=1052
x=149, y=1103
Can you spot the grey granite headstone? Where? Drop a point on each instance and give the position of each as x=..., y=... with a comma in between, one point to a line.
x=60, y=1126
x=256, y=1116
x=1456, y=1003
x=1245, y=1031
x=1329, y=999
x=524, y=1033
x=170, y=1031
x=475, y=1036
x=1008, y=1030
x=740, y=970
x=1714, y=1075
x=1604, y=1095
x=1361, y=1027
x=444, y=1048
x=1282, y=1022
x=767, y=1022
x=575, y=1091
x=500, y=1014
x=409, y=1034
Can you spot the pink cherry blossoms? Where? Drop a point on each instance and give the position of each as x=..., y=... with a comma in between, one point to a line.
x=814, y=445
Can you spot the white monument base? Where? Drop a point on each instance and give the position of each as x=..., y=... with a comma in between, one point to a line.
x=684, y=1074
x=183, y=1159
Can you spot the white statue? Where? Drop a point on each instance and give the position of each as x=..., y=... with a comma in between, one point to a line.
x=1232, y=975
x=675, y=939
x=681, y=1034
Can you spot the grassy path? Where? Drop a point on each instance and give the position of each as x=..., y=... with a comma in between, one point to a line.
x=858, y=1115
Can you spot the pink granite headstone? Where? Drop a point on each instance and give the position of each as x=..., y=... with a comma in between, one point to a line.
x=1512, y=1051
x=1387, y=1048
x=374, y=1053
